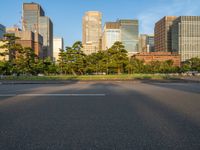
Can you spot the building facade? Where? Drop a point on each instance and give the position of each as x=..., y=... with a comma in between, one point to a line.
x=12, y=29
x=28, y=39
x=150, y=43
x=2, y=30
x=146, y=43
x=111, y=34
x=58, y=44
x=163, y=34
x=148, y=57
x=46, y=30
x=142, y=44
x=129, y=34
x=186, y=37
x=125, y=31
x=34, y=20
x=92, y=31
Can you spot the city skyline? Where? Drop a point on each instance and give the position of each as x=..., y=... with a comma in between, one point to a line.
x=70, y=29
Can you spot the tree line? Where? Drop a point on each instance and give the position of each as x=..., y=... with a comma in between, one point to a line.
x=73, y=61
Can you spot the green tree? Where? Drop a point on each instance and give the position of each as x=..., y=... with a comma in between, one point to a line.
x=62, y=62
x=97, y=62
x=118, y=58
x=72, y=60
x=135, y=66
x=24, y=61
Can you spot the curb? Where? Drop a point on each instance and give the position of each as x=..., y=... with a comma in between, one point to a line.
x=76, y=81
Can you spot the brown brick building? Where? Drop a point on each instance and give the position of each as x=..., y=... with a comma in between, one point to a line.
x=158, y=56
x=163, y=34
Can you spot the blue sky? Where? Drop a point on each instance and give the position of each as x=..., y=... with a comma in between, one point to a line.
x=67, y=14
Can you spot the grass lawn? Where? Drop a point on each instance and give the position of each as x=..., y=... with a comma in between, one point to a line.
x=92, y=77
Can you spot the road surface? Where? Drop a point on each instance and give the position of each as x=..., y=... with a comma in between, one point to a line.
x=100, y=116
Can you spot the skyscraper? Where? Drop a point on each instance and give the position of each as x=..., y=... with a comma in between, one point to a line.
x=186, y=36
x=92, y=30
x=111, y=34
x=34, y=20
x=129, y=34
x=58, y=44
x=2, y=30
x=46, y=30
x=163, y=34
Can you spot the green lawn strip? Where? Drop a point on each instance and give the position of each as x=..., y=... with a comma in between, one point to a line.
x=92, y=77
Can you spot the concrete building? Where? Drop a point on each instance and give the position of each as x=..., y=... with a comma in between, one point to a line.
x=34, y=20
x=58, y=44
x=28, y=39
x=2, y=30
x=150, y=43
x=111, y=34
x=163, y=33
x=12, y=29
x=146, y=43
x=142, y=44
x=186, y=37
x=129, y=34
x=148, y=57
x=92, y=31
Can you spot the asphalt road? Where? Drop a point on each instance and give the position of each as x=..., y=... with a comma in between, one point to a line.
x=100, y=116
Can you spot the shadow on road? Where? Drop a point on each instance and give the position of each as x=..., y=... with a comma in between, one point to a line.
x=124, y=119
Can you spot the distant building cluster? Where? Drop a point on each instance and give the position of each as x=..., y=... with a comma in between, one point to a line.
x=172, y=35
x=95, y=39
x=36, y=32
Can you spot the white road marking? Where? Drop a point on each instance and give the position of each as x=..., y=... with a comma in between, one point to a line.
x=51, y=95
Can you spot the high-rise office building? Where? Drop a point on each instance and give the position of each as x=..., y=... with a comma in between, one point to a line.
x=92, y=31
x=2, y=30
x=46, y=30
x=146, y=43
x=150, y=43
x=163, y=34
x=111, y=34
x=129, y=34
x=186, y=36
x=125, y=31
x=34, y=20
x=58, y=44
x=142, y=44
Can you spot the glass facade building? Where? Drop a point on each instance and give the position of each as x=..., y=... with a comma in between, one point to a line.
x=150, y=43
x=2, y=30
x=34, y=20
x=186, y=37
x=46, y=30
x=111, y=34
x=146, y=43
x=130, y=34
